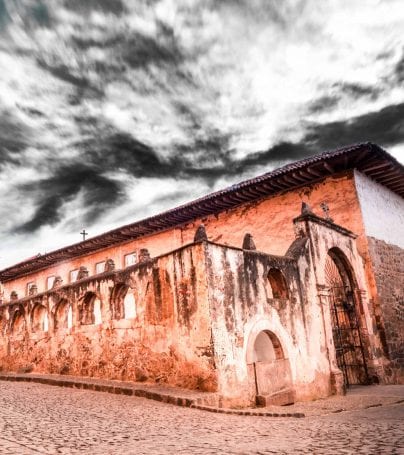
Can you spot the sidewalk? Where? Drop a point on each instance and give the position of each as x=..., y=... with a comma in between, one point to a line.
x=358, y=397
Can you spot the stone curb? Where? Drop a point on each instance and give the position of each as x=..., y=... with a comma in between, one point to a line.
x=249, y=412
x=139, y=392
x=108, y=388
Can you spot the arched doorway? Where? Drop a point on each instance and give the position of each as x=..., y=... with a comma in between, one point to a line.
x=349, y=349
x=270, y=370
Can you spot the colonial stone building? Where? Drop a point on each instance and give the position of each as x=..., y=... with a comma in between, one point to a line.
x=288, y=286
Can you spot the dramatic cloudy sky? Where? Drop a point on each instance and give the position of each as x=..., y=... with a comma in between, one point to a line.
x=113, y=110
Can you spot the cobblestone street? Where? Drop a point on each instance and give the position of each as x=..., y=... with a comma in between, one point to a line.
x=36, y=418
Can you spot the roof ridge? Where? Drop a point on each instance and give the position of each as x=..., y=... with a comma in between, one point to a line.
x=229, y=197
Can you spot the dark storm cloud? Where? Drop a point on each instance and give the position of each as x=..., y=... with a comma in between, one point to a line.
x=323, y=103
x=116, y=7
x=63, y=73
x=355, y=90
x=283, y=151
x=386, y=127
x=134, y=48
x=84, y=43
x=341, y=90
x=15, y=136
x=63, y=186
x=32, y=112
x=121, y=152
x=4, y=16
x=40, y=14
x=399, y=69
x=192, y=119
x=139, y=50
x=81, y=86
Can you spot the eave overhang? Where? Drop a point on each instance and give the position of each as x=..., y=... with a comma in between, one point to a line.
x=368, y=158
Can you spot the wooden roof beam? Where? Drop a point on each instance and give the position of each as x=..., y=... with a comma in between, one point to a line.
x=361, y=156
x=328, y=167
x=290, y=179
x=396, y=178
x=314, y=172
x=242, y=196
x=382, y=172
x=376, y=167
x=299, y=177
x=268, y=187
x=253, y=192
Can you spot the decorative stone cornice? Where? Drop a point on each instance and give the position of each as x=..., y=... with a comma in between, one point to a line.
x=310, y=216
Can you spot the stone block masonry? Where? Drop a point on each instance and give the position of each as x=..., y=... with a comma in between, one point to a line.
x=388, y=265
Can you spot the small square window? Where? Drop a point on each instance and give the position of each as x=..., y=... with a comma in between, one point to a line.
x=130, y=259
x=49, y=281
x=73, y=275
x=29, y=286
x=100, y=267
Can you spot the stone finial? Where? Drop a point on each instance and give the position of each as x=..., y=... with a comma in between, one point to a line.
x=248, y=242
x=144, y=255
x=13, y=295
x=306, y=209
x=83, y=273
x=33, y=290
x=57, y=282
x=200, y=234
x=326, y=210
x=109, y=265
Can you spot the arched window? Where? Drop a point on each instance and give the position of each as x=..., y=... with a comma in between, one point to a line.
x=123, y=303
x=18, y=323
x=39, y=319
x=63, y=315
x=97, y=311
x=86, y=309
x=278, y=284
x=129, y=305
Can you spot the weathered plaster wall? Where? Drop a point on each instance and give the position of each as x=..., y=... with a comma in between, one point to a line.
x=323, y=238
x=242, y=306
x=383, y=216
x=165, y=337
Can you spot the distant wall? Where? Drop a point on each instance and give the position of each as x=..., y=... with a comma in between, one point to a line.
x=382, y=211
x=148, y=322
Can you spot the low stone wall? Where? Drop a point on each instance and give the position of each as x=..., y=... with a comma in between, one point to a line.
x=133, y=324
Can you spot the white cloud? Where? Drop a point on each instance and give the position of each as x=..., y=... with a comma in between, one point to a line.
x=244, y=72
